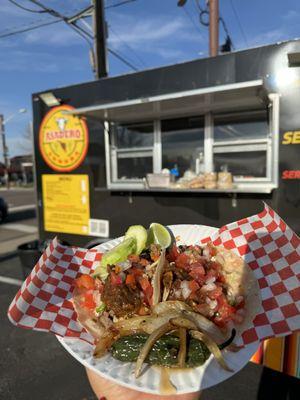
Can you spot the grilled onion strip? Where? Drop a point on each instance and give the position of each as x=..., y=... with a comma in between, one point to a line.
x=210, y=343
x=212, y=347
x=157, y=278
x=182, y=349
x=155, y=335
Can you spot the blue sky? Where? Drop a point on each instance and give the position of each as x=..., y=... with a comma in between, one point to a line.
x=149, y=33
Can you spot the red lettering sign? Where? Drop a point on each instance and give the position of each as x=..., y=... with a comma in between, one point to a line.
x=291, y=174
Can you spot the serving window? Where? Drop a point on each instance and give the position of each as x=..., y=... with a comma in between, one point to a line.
x=131, y=151
x=182, y=143
x=242, y=144
x=227, y=128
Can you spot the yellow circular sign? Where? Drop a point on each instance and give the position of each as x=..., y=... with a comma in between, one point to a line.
x=63, y=139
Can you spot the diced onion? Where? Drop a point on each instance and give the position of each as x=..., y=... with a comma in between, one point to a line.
x=186, y=291
x=208, y=287
x=212, y=303
x=210, y=280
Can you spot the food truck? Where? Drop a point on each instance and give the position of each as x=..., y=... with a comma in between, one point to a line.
x=200, y=142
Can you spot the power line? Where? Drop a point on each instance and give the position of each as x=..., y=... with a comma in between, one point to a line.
x=75, y=27
x=239, y=22
x=4, y=35
x=129, y=47
x=25, y=8
x=121, y=58
x=192, y=20
x=120, y=4
x=72, y=24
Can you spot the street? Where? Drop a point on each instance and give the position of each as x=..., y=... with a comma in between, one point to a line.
x=18, y=199
x=21, y=224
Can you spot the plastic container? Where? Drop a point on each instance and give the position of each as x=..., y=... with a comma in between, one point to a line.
x=158, y=180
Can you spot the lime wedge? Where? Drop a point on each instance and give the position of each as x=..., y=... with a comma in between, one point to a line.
x=159, y=234
x=139, y=233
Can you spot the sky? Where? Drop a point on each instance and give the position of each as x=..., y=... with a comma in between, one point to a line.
x=148, y=33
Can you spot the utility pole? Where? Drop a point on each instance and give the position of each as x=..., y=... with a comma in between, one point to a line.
x=100, y=39
x=213, y=11
x=213, y=27
x=5, y=150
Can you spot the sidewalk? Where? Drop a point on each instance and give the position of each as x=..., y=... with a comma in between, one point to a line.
x=9, y=247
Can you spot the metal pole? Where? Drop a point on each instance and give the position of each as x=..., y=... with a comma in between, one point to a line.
x=213, y=27
x=100, y=39
x=5, y=150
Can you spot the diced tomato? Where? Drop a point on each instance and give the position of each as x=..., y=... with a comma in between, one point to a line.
x=212, y=249
x=215, y=265
x=130, y=280
x=85, y=281
x=221, y=278
x=240, y=305
x=147, y=289
x=193, y=285
x=136, y=272
x=115, y=279
x=197, y=272
x=144, y=262
x=173, y=254
x=216, y=293
x=225, y=311
x=182, y=261
x=88, y=300
x=144, y=283
x=133, y=258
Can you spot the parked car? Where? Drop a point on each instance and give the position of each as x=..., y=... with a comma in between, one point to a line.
x=3, y=209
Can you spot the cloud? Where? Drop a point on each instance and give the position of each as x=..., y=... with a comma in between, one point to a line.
x=55, y=35
x=291, y=15
x=144, y=31
x=159, y=35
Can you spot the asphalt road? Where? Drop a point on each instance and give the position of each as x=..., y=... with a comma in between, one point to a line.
x=34, y=366
x=18, y=197
x=17, y=231
x=21, y=224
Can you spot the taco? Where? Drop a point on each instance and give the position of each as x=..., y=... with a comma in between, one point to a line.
x=171, y=307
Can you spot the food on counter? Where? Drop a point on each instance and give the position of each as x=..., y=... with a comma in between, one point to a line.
x=210, y=180
x=224, y=180
x=162, y=306
x=197, y=182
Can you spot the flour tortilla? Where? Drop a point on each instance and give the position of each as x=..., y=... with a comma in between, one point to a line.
x=240, y=279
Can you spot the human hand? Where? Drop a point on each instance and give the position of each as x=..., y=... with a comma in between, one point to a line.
x=111, y=391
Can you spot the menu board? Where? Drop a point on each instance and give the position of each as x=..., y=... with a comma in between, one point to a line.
x=66, y=203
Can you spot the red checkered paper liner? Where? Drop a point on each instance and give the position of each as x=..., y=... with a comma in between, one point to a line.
x=43, y=302
x=272, y=251
x=267, y=244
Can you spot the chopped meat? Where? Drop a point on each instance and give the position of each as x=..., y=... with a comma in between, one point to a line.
x=122, y=299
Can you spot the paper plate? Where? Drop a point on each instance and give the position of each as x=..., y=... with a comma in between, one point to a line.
x=191, y=380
